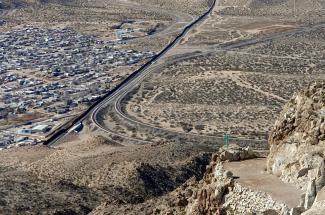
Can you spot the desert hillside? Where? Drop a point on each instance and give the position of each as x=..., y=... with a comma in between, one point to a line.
x=76, y=178
x=98, y=176
x=242, y=181
x=164, y=107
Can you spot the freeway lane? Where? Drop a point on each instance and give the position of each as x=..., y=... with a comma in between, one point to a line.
x=215, y=50
x=129, y=81
x=133, y=80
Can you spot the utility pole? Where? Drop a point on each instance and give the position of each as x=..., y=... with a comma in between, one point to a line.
x=294, y=8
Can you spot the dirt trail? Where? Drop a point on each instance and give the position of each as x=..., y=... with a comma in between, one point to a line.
x=252, y=174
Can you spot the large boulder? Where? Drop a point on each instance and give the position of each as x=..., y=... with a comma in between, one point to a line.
x=297, y=142
x=234, y=152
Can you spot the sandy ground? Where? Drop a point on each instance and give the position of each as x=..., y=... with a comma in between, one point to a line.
x=321, y=195
x=252, y=174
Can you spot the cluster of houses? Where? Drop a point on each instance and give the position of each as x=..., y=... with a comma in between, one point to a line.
x=61, y=52
x=54, y=72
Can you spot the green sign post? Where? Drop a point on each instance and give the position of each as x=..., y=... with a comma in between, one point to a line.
x=226, y=139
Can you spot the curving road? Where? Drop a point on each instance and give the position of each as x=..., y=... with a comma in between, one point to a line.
x=117, y=106
x=114, y=97
x=127, y=84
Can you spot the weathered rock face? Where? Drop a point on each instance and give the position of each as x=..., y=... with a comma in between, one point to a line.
x=243, y=200
x=218, y=192
x=298, y=142
x=318, y=207
x=236, y=153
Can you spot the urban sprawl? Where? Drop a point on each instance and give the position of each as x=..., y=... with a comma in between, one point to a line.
x=49, y=75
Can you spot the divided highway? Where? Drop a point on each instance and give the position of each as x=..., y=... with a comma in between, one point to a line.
x=115, y=96
x=130, y=81
x=215, y=50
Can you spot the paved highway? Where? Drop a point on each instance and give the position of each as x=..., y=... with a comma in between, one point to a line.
x=116, y=95
x=215, y=50
x=128, y=83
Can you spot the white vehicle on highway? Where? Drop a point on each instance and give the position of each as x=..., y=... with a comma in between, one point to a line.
x=77, y=128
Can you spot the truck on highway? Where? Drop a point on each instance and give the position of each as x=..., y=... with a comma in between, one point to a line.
x=77, y=128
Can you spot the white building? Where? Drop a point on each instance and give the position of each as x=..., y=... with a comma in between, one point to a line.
x=41, y=129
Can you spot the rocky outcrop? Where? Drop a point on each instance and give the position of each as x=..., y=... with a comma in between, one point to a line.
x=297, y=155
x=297, y=142
x=200, y=197
x=318, y=207
x=236, y=153
x=219, y=193
x=243, y=200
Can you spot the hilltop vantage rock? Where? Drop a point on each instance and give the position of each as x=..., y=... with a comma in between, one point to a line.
x=297, y=143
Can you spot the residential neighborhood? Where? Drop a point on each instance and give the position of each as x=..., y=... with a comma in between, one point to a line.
x=54, y=74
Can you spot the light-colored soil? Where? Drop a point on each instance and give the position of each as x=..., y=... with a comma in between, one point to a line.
x=321, y=195
x=88, y=169
x=252, y=174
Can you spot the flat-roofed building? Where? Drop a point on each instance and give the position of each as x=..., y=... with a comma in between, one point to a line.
x=41, y=129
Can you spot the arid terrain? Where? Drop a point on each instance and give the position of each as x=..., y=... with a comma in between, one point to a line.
x=76, y=177
x=100, y=18
x=236, y=90
x=58, y=58
x=154, y=145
